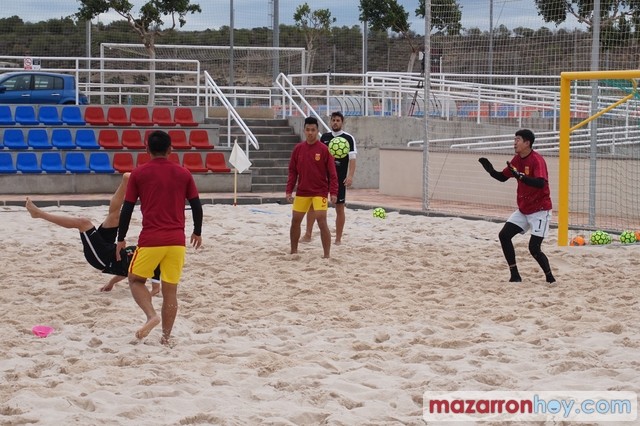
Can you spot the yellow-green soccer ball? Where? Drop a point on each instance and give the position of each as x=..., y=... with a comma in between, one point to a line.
x=628, y=237
x=379, y=212
x=600, y=238
x=339, y=147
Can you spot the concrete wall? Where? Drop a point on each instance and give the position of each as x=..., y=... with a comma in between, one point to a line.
x=373, y=133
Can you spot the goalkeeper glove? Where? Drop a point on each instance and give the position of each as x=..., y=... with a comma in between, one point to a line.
x=516, y=174
x=486, y=164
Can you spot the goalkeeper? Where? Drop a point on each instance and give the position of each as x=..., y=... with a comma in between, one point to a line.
x=534, y=202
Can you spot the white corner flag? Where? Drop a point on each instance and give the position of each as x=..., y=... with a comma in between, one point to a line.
x=238, y=158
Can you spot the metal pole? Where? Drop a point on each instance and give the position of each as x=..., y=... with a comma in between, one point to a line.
x=276, y=38
x=427, y=80
x=231, y=28
x=365, y=47
x=593, y=154
x=490, y=52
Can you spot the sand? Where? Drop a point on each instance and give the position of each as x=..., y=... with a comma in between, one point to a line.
x=405, y=305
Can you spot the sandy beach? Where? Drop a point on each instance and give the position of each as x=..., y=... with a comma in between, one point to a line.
x=405, y=305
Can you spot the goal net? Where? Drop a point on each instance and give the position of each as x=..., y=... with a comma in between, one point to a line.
x=599, y=157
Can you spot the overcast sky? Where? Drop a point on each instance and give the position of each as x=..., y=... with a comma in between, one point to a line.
x=257, y=13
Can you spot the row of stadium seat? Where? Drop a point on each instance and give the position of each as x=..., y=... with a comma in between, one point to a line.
x=106, y=139
x=100, y=162
x=94, y=115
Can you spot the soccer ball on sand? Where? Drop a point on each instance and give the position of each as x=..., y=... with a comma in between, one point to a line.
x=628, y=237
x=578, y=240
x=600, y=237
x=339, y=147
x=379, y=212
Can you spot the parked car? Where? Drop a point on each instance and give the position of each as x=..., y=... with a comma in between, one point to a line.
x=34, y=87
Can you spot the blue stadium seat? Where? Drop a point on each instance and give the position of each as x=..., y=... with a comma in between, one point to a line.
x=6, y=118
x=61, y=139
x=51, y=162
x=99, y=162
x=76, y=163
x=72, y=116
x=27, y=162
x=14, y=139
x=26, y=115
x=86, y=139
x=48, y=115
x=38, y=139
x=6, y=163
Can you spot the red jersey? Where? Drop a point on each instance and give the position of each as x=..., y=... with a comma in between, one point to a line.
x=531, y=199
x=162, y=187
x=313, y=169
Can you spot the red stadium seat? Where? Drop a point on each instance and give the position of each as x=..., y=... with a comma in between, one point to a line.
x=184, y=117
x=179, y=139
x=192, y=161
x=174, y=158
x=118, y=116
x=142, y=158
x=140, y=116
x=94, y=115
x=132, y=139
x=123, y=162
x=161, y=116
x=109, y=139
x=216, y=163
x=199, y=139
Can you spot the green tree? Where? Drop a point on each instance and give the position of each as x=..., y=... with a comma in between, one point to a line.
x=148, y=23
x=384, y=15
x=313, y=25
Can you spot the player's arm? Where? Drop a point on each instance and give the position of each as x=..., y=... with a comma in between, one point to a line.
x=196, y=212
x=352, y=171
x=536, y=182
x=493, y=172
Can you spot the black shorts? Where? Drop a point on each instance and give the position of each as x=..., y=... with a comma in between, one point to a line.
x=99, y=246
x=342, y=189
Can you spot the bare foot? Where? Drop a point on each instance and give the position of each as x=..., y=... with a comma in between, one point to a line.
x=338, y=242
x=155, y=288
x=147, y=327
x=166, y=340
x=305, y=238
x=33, y=210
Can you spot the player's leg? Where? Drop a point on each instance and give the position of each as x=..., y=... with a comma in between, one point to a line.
x=171, y=272
x=115, y=204
x=535, y=244
x=301, y=206
x=508, y=231
x=80, y=223
x=144, y=262
x=311, y=219
x=539, y=225
x=340, y=212
x=320, y=205
x=340, y=221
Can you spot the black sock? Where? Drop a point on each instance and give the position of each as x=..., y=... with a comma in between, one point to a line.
x=550, y=277
x=515, y=275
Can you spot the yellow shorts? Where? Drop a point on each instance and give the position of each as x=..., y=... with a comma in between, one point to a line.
x=169, y=258
x=302, y=204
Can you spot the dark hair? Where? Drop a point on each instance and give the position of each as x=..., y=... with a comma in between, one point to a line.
x=311, y=120
x=159, y=142
x=337, y=114
x=526, y=135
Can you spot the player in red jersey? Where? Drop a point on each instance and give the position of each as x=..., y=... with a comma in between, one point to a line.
x=534, y=202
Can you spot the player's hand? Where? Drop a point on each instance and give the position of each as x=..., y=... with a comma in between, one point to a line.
x=119, y=247
x=196, y=241
x=334, y=199
x=516, y=174
x=289, y=198
x=486, y=164
x=348, y=181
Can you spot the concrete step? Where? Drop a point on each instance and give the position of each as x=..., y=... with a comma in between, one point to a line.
x=260, y=179
x=270, y=171
x=289, y=140
x=262, y=153
x=251, y=122
x=268, y=187
x=269, y=162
